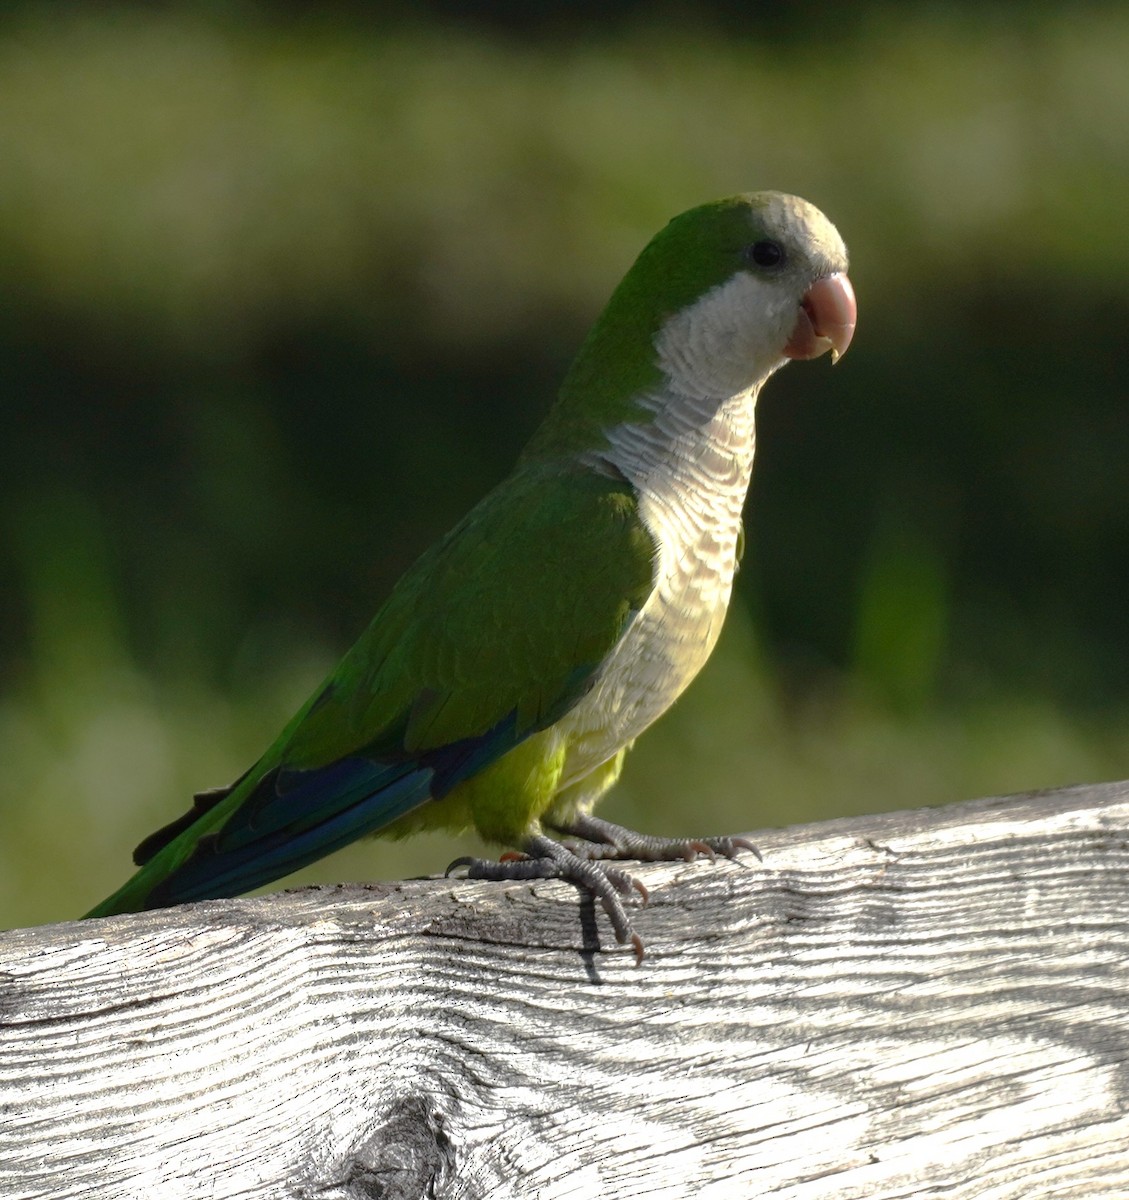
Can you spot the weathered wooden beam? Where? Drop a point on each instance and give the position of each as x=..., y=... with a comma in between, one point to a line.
x=918, y=1004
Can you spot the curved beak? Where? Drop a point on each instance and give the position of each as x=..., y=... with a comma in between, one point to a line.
x=826, y=321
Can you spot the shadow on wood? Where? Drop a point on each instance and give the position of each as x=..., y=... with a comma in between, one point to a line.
x=931, y=1003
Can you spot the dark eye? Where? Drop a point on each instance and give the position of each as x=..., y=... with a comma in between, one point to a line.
x=765, y=254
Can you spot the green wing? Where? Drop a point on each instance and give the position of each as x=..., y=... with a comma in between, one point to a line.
x=494, y=633
x=510, y=614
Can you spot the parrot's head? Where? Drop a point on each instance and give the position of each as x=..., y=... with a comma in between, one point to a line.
x=765, y=276
x=720, y=298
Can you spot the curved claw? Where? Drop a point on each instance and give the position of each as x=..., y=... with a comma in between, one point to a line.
x=740, y=843
x=464, y=861
x=637, y=943
x=623, y=882
x=726, y=847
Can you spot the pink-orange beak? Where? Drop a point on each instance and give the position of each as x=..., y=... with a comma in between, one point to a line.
x=826, y=321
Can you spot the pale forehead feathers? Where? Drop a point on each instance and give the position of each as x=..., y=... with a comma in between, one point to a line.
x=798, y=223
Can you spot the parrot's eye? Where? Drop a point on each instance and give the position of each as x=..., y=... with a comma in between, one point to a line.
x=765, y=254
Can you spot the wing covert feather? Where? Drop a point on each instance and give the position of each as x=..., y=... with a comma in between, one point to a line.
x=511, y=613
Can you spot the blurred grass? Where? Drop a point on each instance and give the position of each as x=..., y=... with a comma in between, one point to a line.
x=182, y=175
x=198, y=214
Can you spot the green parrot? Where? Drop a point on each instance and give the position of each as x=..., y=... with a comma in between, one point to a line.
x=513, y=665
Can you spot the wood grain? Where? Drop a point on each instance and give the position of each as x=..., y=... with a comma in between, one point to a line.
x=921, y=1004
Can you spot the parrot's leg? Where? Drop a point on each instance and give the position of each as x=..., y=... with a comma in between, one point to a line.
x=603, y=839
x=546, y=859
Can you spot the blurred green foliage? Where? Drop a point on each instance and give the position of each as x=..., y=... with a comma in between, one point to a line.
x=282, y=291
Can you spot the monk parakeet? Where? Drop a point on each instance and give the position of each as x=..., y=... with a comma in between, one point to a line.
x=504, y=679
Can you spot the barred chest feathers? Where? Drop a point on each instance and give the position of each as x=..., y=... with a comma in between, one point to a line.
x=691, y=467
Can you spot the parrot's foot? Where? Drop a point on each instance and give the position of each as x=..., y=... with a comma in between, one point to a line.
x=547, y=859
x=602, y=839
x=584, y=863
